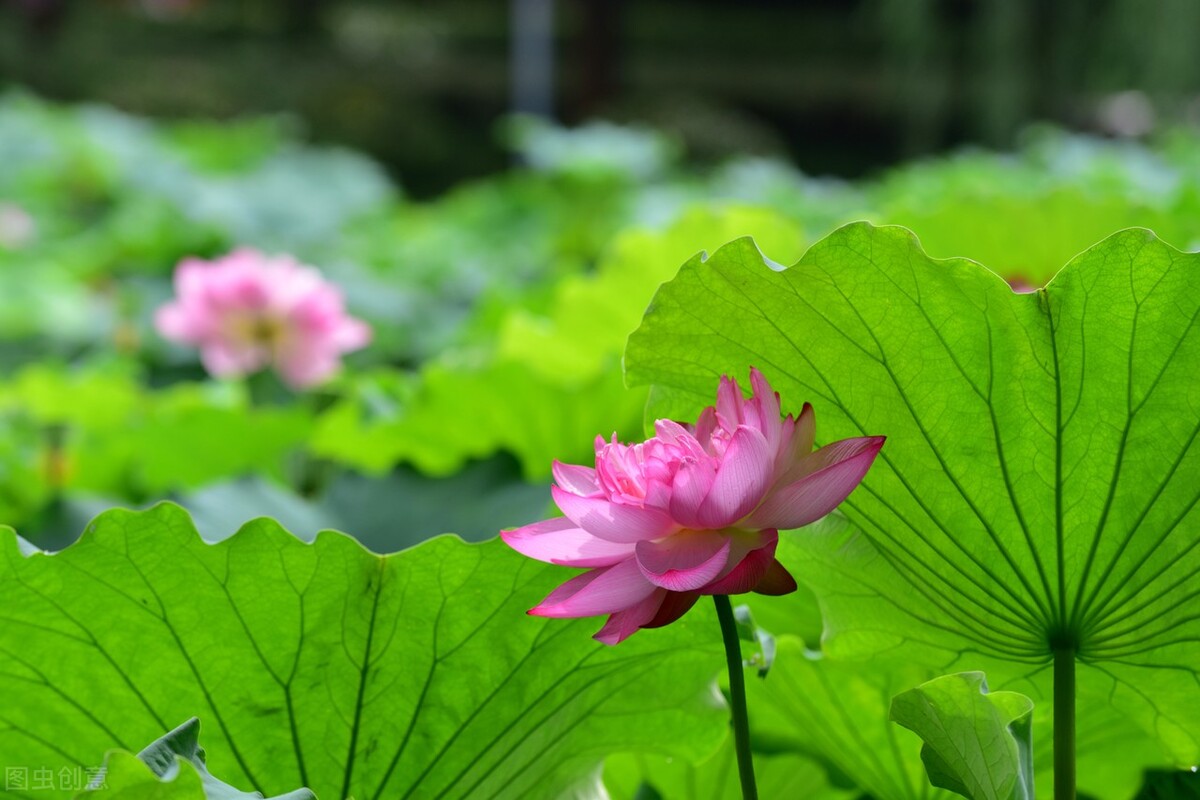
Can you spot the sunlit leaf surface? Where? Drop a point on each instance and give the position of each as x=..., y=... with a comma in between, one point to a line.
x=322, y=665
x=1038, y=489
x=978, y=744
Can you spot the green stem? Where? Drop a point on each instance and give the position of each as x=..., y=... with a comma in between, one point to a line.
x=737, y=696
x=1064, y=724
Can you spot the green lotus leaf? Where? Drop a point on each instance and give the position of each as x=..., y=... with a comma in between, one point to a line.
x=977, y=743
x=1038, y=491
x=323, y=665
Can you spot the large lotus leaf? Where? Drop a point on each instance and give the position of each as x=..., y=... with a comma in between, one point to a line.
x=1038, y=489
x=322, y=665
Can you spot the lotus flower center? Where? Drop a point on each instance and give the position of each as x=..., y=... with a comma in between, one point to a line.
x=257, y=329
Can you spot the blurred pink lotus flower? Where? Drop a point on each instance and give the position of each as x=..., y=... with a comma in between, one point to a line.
x=17, y=227
x=1021, y=285
x=695, y=510
x=246, y=311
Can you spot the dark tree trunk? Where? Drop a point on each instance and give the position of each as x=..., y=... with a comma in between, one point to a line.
x=305, y=18
x=599, y=54
x=44, y=17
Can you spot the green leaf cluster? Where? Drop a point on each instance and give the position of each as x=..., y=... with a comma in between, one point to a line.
x=550, y=381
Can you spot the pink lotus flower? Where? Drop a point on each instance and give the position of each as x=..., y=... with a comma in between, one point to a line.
x=694, y=510
x=247, y=311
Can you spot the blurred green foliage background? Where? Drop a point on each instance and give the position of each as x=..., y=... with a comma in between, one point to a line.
x=838, y=86
x=500, y=308
x=502, y=260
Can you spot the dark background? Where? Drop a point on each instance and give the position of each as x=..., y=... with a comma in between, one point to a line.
x=842, y=87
